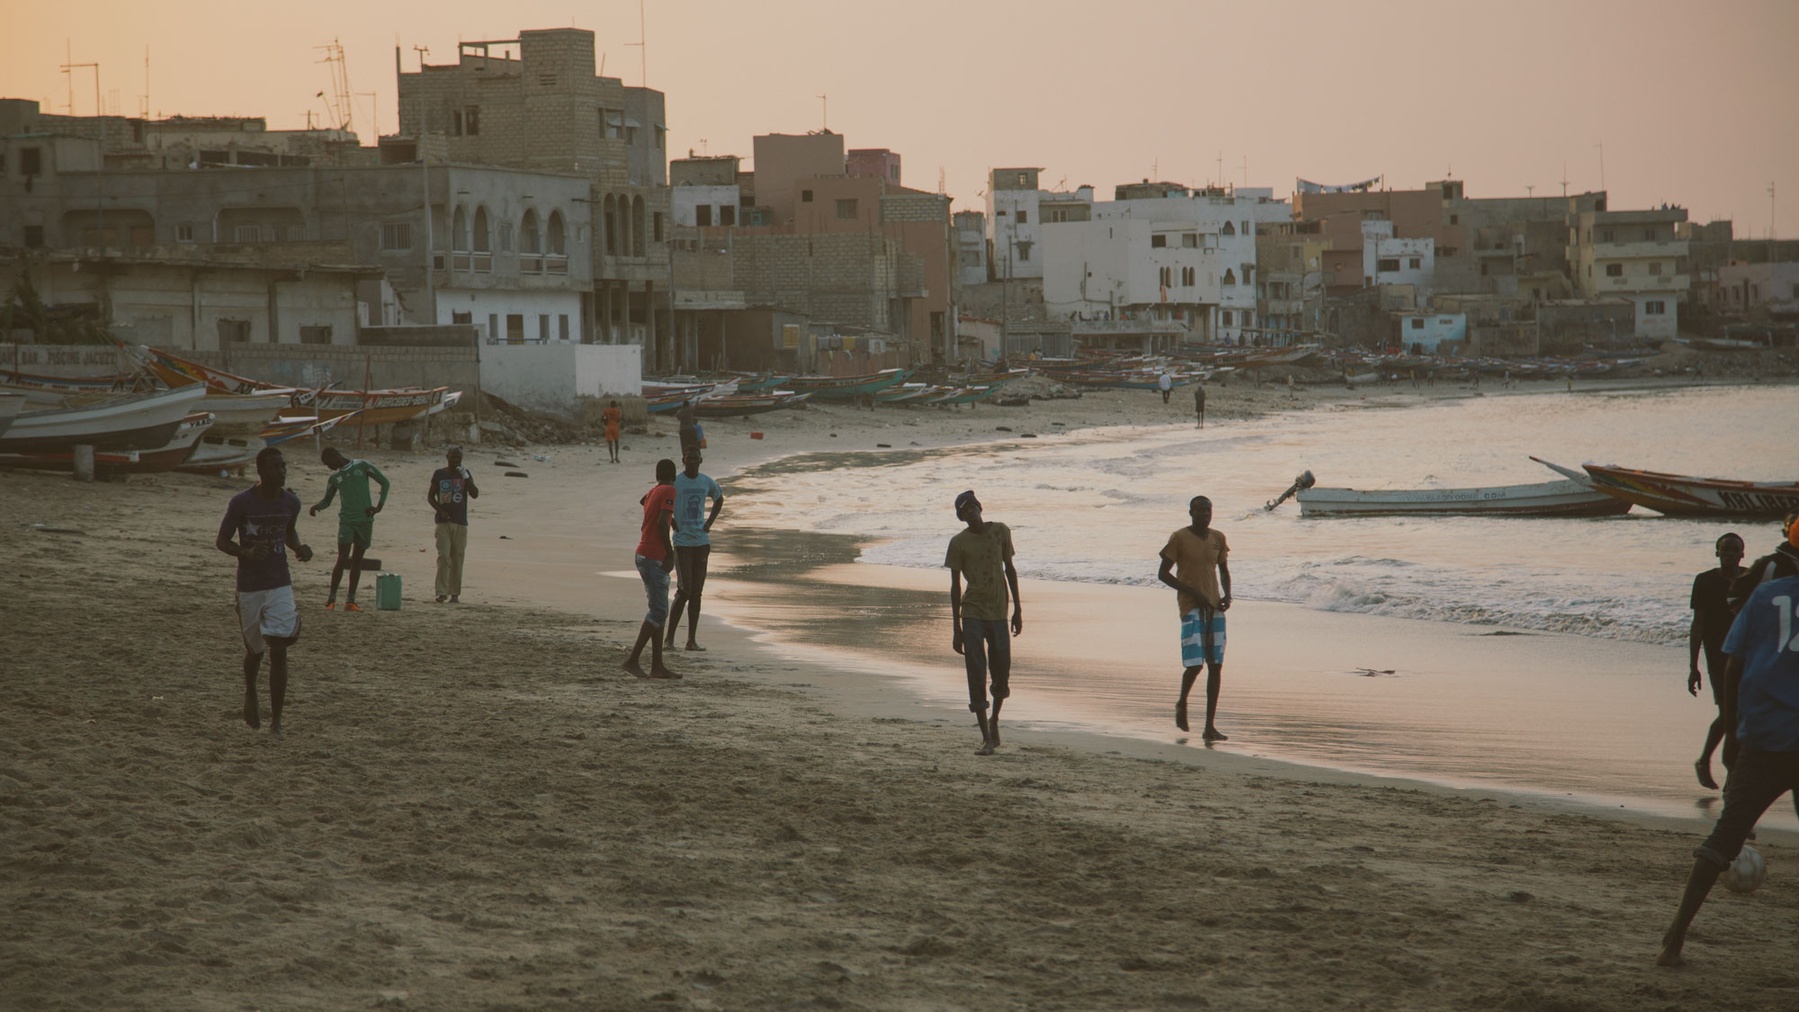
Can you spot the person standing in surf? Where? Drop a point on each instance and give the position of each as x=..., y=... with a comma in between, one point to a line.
x=1711, y=621
x=982, y=554
x=1194, y=563
x=692, y=543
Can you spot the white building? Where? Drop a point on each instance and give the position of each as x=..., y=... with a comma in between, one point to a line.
x=1159, y=252
x=1635, y=254
x=1017, y=210
x=1390, y=261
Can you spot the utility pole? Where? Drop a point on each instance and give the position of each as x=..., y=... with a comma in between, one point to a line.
x=824, y=105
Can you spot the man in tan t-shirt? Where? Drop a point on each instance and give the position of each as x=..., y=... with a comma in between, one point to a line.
x=1193, y=563
x=982, y=554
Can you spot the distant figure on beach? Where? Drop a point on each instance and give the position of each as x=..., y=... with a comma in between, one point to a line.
x=355, y=518
x=688, y=426
x=451, y=489
x=1764, y=707
x=692, y=543
x=1194, y=563
x=982, y=555
x=1199, y=403
x=1165, y=383
x=612, y=417
x=655, y=557
x=1711, y=621
x=260, y=524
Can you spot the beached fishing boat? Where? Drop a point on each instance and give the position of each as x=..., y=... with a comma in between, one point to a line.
x=845, y=387
x=734, y=405
x=246, y=413
x=908, y=393
x=218, y=452
x=43, y=389
x=166, y=457
x=175, y=371
x=375, y=407
x=1566, y=498
x=755, y=383
x=962, y=395
x=1678, y=495
x=10, y=407
x=130, y=422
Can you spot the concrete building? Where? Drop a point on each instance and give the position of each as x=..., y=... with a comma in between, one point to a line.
x=971, y=248
x=1635, y=255
x=1016, y=211
x=704, y=192
x=1387, y=260
x=536, y=103
x=1289, y=286
x=180, y=142
x=1158, y=252
x=502, y=249
x=878, y=163
x=1423, y=332
x=782, y=160
x=1759, y=290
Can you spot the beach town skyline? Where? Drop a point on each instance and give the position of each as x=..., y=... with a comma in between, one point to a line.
x=1551, y=97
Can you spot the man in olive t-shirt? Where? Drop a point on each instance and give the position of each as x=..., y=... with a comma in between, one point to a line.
x=982, y=554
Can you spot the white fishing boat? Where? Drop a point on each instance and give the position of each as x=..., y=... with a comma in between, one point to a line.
x=132, y=422
x=10, y=407
x=1566, y=498
x=166, y=457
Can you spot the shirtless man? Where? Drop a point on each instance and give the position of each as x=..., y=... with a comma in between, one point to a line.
x=1711, y=620
x=1194, y=564
x=258, y=528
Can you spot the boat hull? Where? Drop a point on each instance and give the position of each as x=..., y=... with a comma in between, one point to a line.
x=129, y=423
x=745, y=404
x=167, y=457
x=1543, y=499
x=845, y=387
x=1682, y=496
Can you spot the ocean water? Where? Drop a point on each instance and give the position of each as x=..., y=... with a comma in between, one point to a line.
x=1538, y=655
x=1097, y=507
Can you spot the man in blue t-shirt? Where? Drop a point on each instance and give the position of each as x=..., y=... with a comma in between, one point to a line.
x=451, y=489
x=258, y=528
x=1761, y=697
x=693, y=542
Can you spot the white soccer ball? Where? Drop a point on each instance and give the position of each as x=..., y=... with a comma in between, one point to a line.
x=1746, y=872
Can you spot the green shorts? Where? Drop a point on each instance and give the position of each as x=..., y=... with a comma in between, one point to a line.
x=356, y=532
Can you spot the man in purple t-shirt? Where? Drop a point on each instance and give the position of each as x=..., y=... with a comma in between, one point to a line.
x=258, y=528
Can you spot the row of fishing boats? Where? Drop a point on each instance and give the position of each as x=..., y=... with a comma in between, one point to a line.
x=175, y=414
x=754, y=393
x=1593, y=491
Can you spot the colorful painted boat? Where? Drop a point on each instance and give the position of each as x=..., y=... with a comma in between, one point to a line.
x=1678, y=495
x=1565, y=498
x=734, y=405
x=755, y=383
x=846, y=387
x=246, y=413
x=373, y=407
x=43, y=389
x=908, y=393
x=219, y=452
x=167, y=457
x=176, y=371
x=131, y=422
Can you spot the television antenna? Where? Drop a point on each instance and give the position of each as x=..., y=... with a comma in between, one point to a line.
x=642, y=44
x=337, y=103
x=824, y=114
x=68, y=70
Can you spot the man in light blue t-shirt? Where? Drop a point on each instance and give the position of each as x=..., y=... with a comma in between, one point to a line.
x=693, y=542
x=1761, y=697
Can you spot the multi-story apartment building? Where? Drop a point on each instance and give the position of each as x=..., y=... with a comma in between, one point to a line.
x=536, y=103
x=1159, y=251
x=1637, y=255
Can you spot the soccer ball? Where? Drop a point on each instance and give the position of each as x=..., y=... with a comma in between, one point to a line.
x=1746, y=872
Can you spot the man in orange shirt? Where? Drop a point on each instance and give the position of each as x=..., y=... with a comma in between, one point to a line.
x=1194, y=564
x=612, y=416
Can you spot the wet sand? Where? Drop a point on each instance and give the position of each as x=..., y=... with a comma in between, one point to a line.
x=473, y=807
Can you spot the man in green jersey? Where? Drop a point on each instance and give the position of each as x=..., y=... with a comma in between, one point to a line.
x=355, y=517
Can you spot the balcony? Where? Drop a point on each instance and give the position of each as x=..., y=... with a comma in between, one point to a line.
x=1659, y=249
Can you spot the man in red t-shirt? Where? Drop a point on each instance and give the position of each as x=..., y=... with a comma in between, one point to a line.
x=655, y=557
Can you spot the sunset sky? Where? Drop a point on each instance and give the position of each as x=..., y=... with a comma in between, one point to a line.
x=1695, y=104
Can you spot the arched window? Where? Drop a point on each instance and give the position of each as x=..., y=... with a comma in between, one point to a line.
x=459, y=231
x=1230, y=278
x=637, y=232
x=610, y=225
x=529, y=240
x=483, y=244
x=1230, y=229
x=553, y=238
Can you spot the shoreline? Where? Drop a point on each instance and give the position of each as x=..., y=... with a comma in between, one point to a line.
x=473, y=806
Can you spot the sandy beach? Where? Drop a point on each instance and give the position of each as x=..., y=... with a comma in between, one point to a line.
x=473, y=807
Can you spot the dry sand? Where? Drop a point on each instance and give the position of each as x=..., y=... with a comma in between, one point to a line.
x=473, y=807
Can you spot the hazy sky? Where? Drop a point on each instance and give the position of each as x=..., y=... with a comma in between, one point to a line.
x=1694, y=103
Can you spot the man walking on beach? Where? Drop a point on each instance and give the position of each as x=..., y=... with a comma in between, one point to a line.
x=1194, y=563
x=692, y=542
x=687, y=426
x=355, y=517
x=1762, y=701
x=1165, y=383
x=982, y=555
x=612, y=417
x=1199, y=403
x=451, y=489
x=1711, y=621
x=655, y=557
x=260, y=525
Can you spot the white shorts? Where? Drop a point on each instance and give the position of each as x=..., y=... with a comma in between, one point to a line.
x=267, y=613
